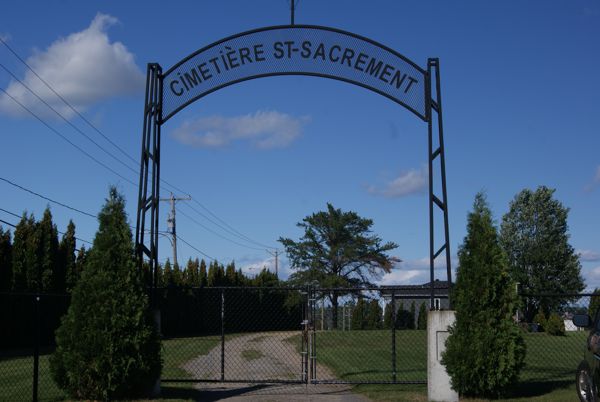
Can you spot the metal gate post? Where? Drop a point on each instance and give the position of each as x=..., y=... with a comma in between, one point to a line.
x=313, y=337
x=148, y=198
x=393, y=304
x=435, y=105
x=222, y=334
x=305, y=340
x=36, y=346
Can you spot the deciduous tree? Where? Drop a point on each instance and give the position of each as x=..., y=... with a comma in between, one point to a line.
x=337, y=250
x=534, y=235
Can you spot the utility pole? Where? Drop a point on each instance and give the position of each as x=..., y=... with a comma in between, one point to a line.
x=171, y=221
x=276, y=255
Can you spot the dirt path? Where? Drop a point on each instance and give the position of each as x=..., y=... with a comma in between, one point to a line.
x=263, y=357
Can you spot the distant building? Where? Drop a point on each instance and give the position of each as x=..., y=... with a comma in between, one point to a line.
x=405, y=295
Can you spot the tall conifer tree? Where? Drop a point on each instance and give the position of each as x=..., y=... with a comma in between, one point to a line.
x=485, y=350
x=52, y=275
x=5, y=260
x=67, y=249
x=23, y=237
x=107, y=345
x=203, y=275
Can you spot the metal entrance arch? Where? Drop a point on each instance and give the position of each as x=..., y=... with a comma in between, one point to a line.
x=289, y=50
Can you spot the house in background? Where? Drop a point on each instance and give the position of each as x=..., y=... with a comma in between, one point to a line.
x=405, y=295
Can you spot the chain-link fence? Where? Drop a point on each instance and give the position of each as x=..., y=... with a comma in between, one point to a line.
x=555, y=346
x=294, y=335
x=232, y=334
x=28, y=322
x=375, y=335
x=312, y=335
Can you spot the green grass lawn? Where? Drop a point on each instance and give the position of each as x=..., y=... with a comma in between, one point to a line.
x=16, y=373
x=16, y=380
x=367, y=355
x=549, y=374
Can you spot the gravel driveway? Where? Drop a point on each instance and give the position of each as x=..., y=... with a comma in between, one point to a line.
x=262, y=357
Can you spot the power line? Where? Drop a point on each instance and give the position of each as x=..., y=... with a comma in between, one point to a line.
x=10, y=213
x=198, y=250
x=65, y=101
x=8, y=223
x=66, y=120
x=66, y=139
x=17, y=216
x=217, y=234
x=47, y=198
x=230, y=229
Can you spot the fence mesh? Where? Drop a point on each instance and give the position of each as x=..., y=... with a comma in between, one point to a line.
x=291, y=335
x=28, y=320
x=555, y=346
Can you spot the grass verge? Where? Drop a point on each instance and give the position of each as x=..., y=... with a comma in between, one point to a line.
x=549, y=373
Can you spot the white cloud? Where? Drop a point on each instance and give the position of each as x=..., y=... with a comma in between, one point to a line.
x=416, y=272
x=401, y=277
x=85, y=67
x=252, y=266
x=595, y=181
x=595, y=272
x=412, y=181
x=263, y=129
x=5, y=36
x=588, y=255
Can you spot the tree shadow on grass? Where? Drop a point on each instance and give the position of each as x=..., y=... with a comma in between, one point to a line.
x=530, y=389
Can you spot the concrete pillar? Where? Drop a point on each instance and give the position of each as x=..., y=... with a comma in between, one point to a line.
x=438, y=381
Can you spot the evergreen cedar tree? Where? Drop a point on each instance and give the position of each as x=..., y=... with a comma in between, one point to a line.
x=485, y=350
x=36, y=261
x=534, y=235
x=107, y=346
x=337, y=250
x=5, y=260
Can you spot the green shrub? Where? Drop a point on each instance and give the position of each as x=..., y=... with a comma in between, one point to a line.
x=594, y=303
x=540, y=320
x=373, y=316
x=107, y=346
x=555, y=325
x=422, y=320
x=485, y=350
x=359, y=314
x=387, y=316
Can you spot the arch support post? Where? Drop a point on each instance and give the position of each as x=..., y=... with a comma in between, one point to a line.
x=438, y=198
x=146, y=236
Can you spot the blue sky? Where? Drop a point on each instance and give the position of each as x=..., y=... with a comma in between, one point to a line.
x=520, y=89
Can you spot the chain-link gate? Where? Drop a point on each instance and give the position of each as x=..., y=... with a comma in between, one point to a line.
x=234, y=334
x=294, y=335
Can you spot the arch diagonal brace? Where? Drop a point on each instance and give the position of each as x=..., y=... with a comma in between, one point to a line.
x=439, y=201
